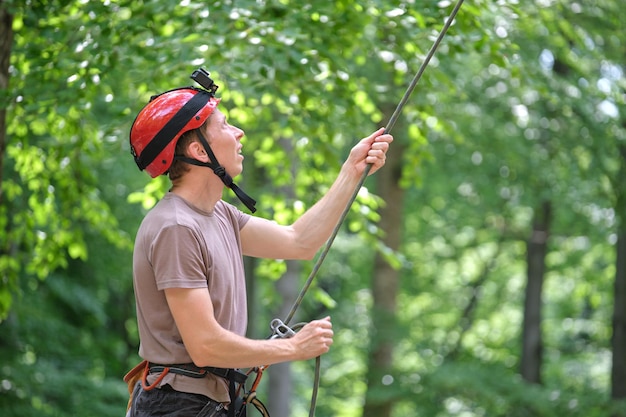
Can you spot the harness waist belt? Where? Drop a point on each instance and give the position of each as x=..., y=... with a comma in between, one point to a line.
x=193, y=371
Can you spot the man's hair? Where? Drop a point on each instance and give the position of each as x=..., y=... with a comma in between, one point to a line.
x=179, y=168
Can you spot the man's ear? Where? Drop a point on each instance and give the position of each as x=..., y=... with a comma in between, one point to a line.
x=195, y=150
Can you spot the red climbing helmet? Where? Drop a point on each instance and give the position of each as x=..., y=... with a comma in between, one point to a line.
x=164, y=119
x=161, y=123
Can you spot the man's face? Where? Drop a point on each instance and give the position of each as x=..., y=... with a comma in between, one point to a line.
x=224, y=140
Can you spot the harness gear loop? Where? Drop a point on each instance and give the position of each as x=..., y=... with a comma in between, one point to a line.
x=144, y=378
x=259, y=375
x=252, y=399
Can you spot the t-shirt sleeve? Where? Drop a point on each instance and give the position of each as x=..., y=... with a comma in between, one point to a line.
x=178, y=259
x=238, y=217
x=242, y=218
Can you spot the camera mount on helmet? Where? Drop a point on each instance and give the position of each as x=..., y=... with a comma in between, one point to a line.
x=201, y=76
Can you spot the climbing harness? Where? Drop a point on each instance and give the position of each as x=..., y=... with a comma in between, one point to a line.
x=239, y=396
x=236, y=380
x=283, y=327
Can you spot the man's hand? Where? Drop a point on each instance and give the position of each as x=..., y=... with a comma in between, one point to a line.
x=314, y=339
x=369, y=150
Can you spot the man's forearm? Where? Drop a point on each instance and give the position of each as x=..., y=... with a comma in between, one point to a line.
x=315, y=226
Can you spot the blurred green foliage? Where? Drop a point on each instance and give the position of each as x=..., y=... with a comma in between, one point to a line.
x=522, y=102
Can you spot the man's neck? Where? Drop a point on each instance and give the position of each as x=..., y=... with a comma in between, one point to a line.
x=201, y=192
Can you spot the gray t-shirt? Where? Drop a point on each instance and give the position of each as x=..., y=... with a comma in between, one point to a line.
x=181, y=246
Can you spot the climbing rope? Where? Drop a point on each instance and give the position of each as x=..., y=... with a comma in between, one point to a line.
x=390, y=125
x=281, y=328
x=281, y=331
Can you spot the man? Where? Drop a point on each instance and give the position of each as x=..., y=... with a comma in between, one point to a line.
x=187, y=263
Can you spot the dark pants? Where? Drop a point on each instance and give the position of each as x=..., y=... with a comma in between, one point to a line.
x=165, y=402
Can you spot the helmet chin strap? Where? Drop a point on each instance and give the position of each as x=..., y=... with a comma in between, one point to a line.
x=220, y=171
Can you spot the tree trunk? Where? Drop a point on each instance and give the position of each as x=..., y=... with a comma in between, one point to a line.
x=281, y=382
x=7, y=277
x=385, y=289
x=6, y=42
x=618, y=368
x=469, y=312
x=280, y=375
x=532, y=344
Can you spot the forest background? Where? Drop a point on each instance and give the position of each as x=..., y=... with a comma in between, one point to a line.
x=481, y=273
